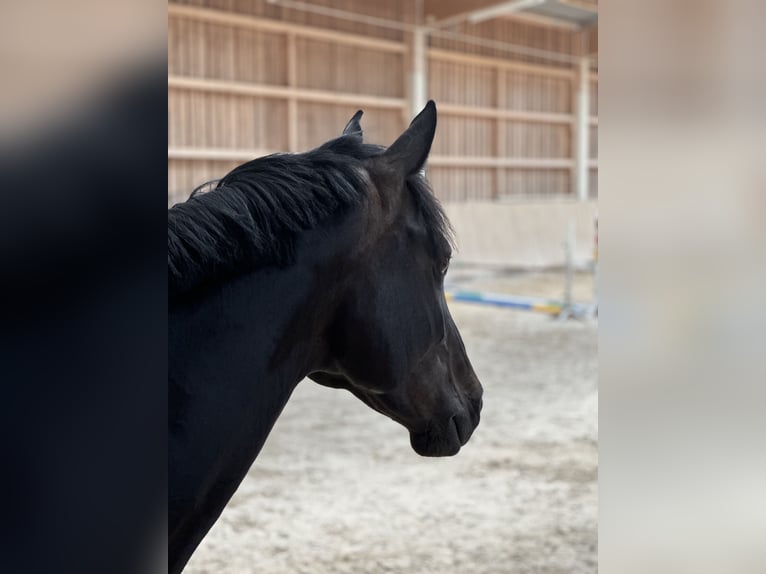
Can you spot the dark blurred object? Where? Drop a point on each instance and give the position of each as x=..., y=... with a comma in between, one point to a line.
x=83, y=339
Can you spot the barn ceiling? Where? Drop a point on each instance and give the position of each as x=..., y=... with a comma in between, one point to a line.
x=577, y=12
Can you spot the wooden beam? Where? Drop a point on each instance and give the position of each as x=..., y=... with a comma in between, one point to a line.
x=591, y=7
x=219, y=154
x=540, y=20
x=496, y=162
x=216, y=154
x=453, y=9
x=283, y=92
x=280, y=27
x=488, y=61
x=582, y=132
x=516, y=115
x=419, y=77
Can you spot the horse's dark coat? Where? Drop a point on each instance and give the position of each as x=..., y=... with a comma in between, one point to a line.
x=327, y=264
x=252, y=216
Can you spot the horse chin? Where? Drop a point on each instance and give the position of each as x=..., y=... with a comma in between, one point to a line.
x=426, y=446
x=445, y=441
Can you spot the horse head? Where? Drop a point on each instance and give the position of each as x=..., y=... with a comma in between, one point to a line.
x=392, y=341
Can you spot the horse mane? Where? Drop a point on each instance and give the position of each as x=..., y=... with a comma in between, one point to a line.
x=253, y=215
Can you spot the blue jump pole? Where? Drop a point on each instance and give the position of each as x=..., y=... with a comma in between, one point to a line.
x=509, y=301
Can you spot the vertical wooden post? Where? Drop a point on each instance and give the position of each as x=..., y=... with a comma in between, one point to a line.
x=292, y=102
x=417, y=66
x=582, y=127
x=500, y=149
x=419, y=74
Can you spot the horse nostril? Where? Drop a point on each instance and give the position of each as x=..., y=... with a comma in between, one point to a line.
x=476, y=414
x=456, y=426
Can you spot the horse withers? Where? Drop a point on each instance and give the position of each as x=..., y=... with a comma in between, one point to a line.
x=327, y=264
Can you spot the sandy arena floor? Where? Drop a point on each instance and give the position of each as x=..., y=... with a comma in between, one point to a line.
x=325, y=497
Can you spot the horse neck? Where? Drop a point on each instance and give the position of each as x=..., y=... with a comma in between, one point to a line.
x=256, y=336
x=235, y=356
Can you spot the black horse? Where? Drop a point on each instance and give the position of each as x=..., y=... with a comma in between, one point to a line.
x=327, y=264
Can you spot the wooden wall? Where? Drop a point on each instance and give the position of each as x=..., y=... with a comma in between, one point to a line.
x=246, y=78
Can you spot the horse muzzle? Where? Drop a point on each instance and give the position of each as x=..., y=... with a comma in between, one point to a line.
x=447, y=437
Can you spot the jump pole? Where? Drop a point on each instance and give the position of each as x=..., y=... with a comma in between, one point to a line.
x=508, y=301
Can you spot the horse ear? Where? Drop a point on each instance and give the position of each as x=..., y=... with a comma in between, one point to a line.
x=353, y=128
x=410, y=151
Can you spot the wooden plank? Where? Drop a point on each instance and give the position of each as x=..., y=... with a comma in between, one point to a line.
x=455, y=9
x=582, y=132
x=591, y=7
x=216, y=154
x=285, y=92
x=237, y=95
x=539, y=20
x=488, y=61
x=243, y=21
x=419, y=73
x=517, y=115
x=505, y=162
